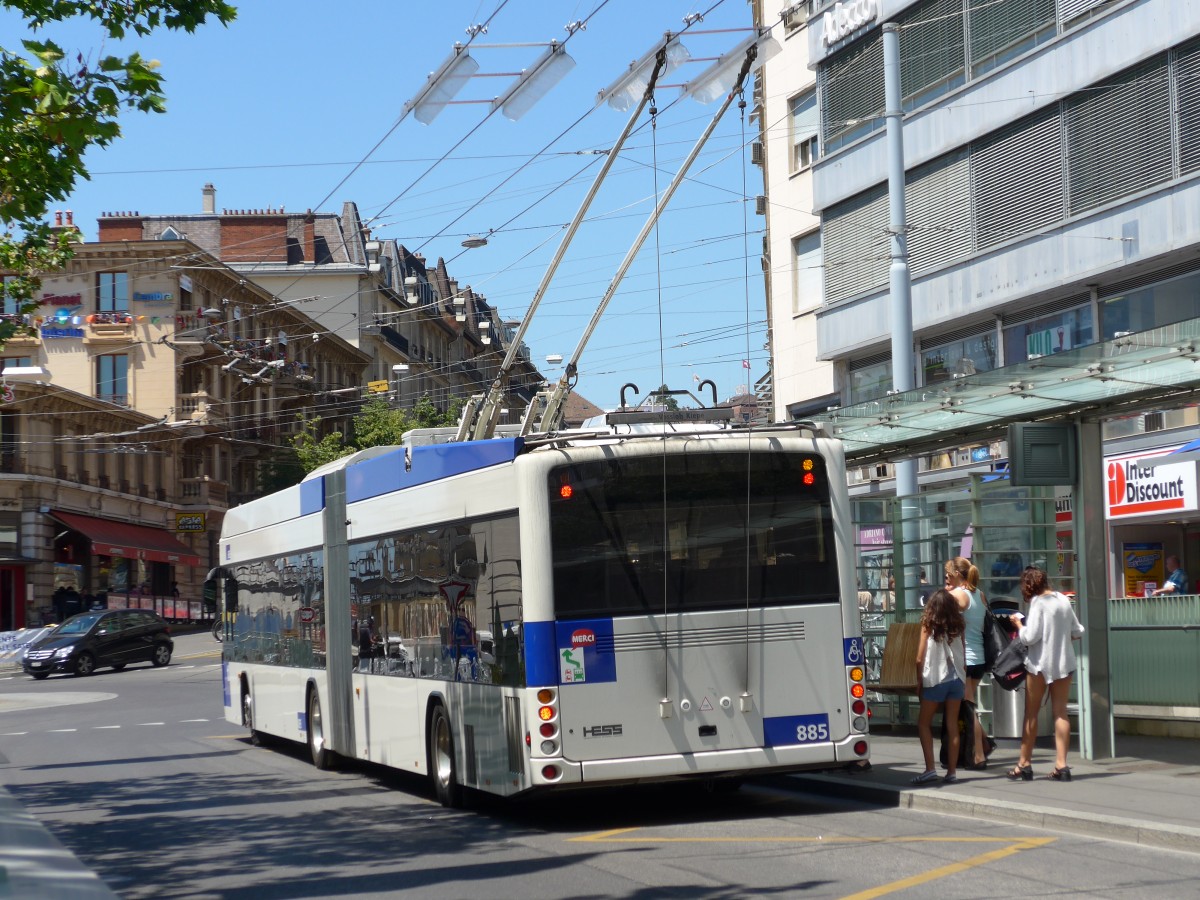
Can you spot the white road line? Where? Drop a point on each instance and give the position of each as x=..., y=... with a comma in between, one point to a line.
x=13, y=733
x=61, y=730
x=140, y=724
x=192, y=720
x=101, y=727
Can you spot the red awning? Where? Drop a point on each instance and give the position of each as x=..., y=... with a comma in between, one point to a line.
x=111, y=538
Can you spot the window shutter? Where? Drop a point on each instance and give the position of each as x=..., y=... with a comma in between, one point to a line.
x=855, y=237
x=931, y=51
x=851, y=92
x=1073, y=9
x=1017, y=179
x=1119, y=136
x=999, y=30
x=1187, y=77
x=938, y=200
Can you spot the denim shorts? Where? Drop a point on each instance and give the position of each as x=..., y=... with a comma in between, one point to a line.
x=953, y=689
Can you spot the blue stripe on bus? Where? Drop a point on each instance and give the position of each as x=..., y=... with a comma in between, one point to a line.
x=388, y=473
x=312, y=496
x=541, y=656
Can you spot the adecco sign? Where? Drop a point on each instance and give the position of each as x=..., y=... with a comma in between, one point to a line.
x=1135, y=490
x=846, y=18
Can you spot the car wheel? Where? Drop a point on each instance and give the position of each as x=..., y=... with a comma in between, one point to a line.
x=443, y=771
x=322, y=756
x=162, y=654
x=117, y=667
x=40, y=676
x=85, y=664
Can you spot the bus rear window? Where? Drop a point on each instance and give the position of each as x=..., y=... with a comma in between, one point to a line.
x=697, y=531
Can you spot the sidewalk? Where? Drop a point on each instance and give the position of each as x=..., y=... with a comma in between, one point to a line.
x=1149, y=794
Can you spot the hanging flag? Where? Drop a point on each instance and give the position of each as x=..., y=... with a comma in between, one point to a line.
x=695, y=377
x=745, y=363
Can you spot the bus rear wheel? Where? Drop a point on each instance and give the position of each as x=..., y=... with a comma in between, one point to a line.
x=318, y=749
x=443, y=771
x=248, y=718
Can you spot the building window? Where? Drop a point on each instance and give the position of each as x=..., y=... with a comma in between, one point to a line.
x=958, y=358
x=10, y=440
x=112, y=292
x=1153, y=306
x=807, y=282
x=869, y=382
x=112, y=379
x=1048, y=334
x=11, y=362
x=933, y=52
x=805, y=124
x=11, y=305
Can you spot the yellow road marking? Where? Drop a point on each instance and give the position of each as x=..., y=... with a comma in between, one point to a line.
x=624, y=836
x=611, y=837
x=952, y=869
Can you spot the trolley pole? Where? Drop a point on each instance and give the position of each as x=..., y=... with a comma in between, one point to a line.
x=901, y=299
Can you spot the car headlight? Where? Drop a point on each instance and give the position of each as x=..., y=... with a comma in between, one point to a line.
x=63, y=652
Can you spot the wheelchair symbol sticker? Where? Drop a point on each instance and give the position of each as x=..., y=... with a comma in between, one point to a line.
x=853, y=650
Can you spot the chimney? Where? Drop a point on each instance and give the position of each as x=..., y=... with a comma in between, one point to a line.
x=70, y=219
x=310, y=237
x=58, y=218
x=209, y=193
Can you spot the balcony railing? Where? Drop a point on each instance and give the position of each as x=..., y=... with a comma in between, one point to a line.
x=201, y=491
x=109, y=326
x=115, y=399
x=199, y=407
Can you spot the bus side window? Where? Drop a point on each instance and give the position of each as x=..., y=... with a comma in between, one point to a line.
x=231, y=594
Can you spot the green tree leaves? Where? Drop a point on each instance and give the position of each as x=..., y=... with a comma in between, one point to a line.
x=54, y=107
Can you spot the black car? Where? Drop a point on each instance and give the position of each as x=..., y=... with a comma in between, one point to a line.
x=114, y=637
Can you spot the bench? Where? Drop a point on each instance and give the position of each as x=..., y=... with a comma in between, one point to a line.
x=898, y=670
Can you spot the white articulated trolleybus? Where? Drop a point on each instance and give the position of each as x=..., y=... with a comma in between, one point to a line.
x=637, y=603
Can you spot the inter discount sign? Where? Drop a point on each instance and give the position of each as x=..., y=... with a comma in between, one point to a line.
x=1134, y=490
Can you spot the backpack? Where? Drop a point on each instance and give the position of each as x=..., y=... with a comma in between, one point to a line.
x=966, y=735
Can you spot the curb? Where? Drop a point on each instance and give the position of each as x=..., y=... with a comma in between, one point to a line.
x=1133, y=831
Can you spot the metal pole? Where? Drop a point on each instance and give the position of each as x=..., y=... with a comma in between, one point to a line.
x=901, y=297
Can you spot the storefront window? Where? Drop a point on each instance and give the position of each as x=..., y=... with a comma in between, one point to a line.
x=870, y=382
x=1049, y=334
x=966, y=357
x=1160, y=304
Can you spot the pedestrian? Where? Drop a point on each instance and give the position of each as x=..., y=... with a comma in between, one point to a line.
x=962, y=580
x=941, y=675
x=864, y=599
x=366, y=643
x=1048, y=634
x=1177, y=581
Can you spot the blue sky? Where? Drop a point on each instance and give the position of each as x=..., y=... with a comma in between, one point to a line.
x=278, y=108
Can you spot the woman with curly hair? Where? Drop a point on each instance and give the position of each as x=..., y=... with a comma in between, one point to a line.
x=1048, y=633
x=941, y=669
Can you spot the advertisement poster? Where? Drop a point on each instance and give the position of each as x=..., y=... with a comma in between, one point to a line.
x=1143, y=562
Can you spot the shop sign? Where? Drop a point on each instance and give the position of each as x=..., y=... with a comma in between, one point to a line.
x=190, y=522
x=154, y=297
x=62, y=300
x=875, y=535
x=307, y=614
x=1135, y=490
x=847, y=17
x=1044, y=343
x=54, y=333
x=1064, y=508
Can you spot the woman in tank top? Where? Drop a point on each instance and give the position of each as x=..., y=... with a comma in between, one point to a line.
x=962, y=580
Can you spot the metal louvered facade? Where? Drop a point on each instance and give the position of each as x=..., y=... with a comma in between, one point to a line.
x=855, y=242
x=1016, y=180
x=1118, y=136
x=1187, y=92
x=851, y=94
x=1000, y=31
x=939, y=212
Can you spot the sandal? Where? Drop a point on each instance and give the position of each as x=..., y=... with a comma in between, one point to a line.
x=926, y=777
x=1063, y=774
x=989, y=747
x=1019, y=773
x=978, y=767
x=950, y=779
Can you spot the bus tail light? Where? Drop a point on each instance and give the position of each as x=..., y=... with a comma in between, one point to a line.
x=859, y=707
x=548, y=730
x=857, y=691
x=860, y=748
x=548, y=698
x=550, y=773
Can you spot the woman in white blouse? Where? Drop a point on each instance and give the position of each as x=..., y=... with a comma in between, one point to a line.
x=1049, y=632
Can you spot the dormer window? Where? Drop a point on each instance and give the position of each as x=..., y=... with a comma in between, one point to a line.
x=170, y=234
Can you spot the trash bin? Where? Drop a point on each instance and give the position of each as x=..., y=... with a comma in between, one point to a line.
x=1008, y=707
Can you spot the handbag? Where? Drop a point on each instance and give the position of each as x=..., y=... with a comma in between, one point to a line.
x=1008, y=672
x=995, y=637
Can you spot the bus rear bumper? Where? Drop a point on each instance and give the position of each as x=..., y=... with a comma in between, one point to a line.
x=714, y=763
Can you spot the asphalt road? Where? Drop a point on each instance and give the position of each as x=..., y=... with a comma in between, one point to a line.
x=140, y=776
